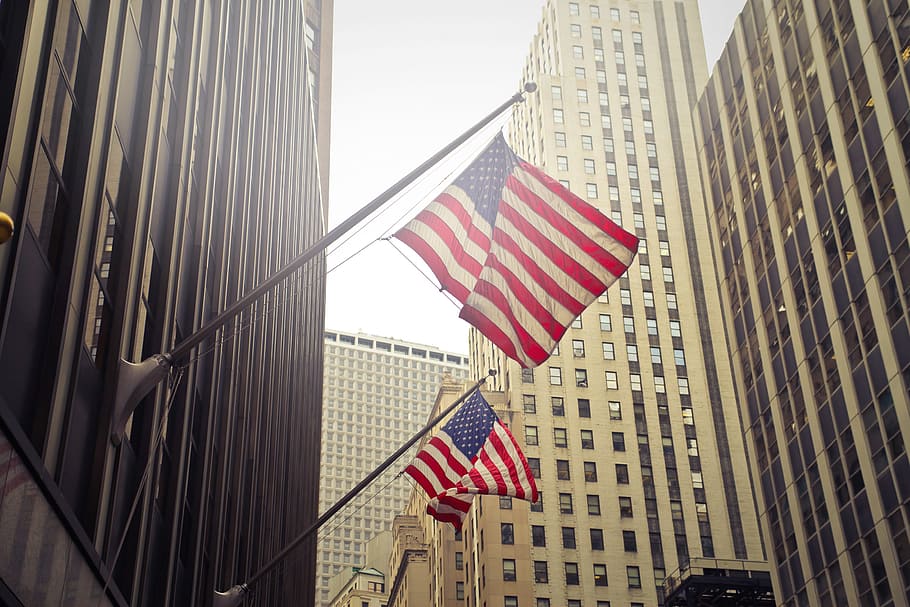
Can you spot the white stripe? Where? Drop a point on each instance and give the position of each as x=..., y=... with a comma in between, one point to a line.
x=486, y=307
x=564, y=209
x=452, y=477
x=460, y=275
x=515, y=456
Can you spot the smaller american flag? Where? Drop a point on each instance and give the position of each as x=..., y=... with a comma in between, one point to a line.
x=473, y=453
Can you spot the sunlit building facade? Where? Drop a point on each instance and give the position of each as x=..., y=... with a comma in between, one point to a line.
x=804, y=138
x=159, y=160
x=632, y=426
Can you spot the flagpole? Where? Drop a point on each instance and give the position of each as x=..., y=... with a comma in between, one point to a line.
x=135, y=380
x=233, y=596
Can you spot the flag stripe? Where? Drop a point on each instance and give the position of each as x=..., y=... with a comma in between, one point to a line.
x=588, y=211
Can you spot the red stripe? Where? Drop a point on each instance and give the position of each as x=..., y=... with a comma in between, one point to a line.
x=501, y=301
x=494, y=469
x=492, y=332
x=447, y=517
x=467, y=221
x=452, y=241
x=437, y=266
x=626, y=239
x=553, y=327
x=539, y=206
x=457, y=504
x=508, y=461
x=524, y=461
x=422, y=480
x=541, y=277
x=453, y=463
x=544, y=246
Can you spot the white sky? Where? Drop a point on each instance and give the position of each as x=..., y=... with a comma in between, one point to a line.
x=408, y=77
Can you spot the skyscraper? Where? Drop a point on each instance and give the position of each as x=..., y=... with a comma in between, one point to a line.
x=159, y=161
x=378, y=394
x=804, y=137
x=632, y=425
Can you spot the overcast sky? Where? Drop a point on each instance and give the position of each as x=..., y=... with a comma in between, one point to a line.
x=408, y=77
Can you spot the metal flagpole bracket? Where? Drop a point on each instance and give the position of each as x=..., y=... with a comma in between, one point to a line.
x=231, y=597
x=134, y=381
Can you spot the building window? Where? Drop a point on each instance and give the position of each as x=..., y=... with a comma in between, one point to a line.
x=543, y=602
x=635, y=381
x=628, y=541
x=581, y=378
x=587, y=142
x=594, y=505
x=538, y=536
x=590, y=472
x=507, y=533
x=560, y=438
x=562, y=163
x=573, y=9
x=659, y=385
x=595, y=11
x=675, y=328
x=625, y=507
x=575, y=30
x=556, y=92
x=584, y=118
x=587, y=439
x=527, y=376
x=683, y=383
x=582, y=95
x=589, y=166
x=459, y=561
x=655, y=355
x=578, y=52
x=558, y=116
x=622, y=474
x=558, y=406
x=508, y=570
x=541, y=573
x=614, y=15
x=584, y=407
x=612, y=380
x=634, y=576
x=615, y=408
x=608, y=350
x=600, y=575
x=562, y=469
x=529, y=403
x=572, y=574
x=632, y=353
x=679, y=357
x=555, y=376
x=576, y=322
x=628, y=324
x=530, y=435
x=668, y=274
x=565, y=503
x=597, y=539
x=580, y=73
x=568, y=538
x=619, y=441
x=560, y=140
x=578, y=348
x=652, y=326
x=534, y=465
x=606, y=324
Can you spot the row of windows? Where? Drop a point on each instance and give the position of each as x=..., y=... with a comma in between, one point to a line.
x=572, y=576
x=615, y=14
x=611, y=379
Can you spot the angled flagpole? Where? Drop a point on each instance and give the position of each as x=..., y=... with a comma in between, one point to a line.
x=135, y=380
x=233, y=596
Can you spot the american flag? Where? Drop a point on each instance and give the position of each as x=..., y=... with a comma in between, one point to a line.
x=521, y=253
x=473, y=453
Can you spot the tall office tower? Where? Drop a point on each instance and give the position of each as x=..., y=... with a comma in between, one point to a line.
x=159, y=161
x=632, y=426
x=378, y=394
x=804, y=139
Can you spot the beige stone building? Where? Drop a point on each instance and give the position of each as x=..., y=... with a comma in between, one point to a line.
x=804, y=136
x=632, y=426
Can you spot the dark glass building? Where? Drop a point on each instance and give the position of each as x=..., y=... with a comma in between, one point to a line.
x=804, y=137
x=159, y=160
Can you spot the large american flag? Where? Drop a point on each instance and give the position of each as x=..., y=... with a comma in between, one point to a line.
x=473, y=453
x=521, y=253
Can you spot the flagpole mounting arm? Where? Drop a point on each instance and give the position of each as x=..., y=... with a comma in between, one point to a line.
x=234, y=595
x=134, y=381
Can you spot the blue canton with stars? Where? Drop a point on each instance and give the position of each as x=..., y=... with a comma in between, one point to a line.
x=485, y=178
x=471, y=425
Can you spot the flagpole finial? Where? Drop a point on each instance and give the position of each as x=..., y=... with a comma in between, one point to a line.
x=530, y=87
x=491, y=372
